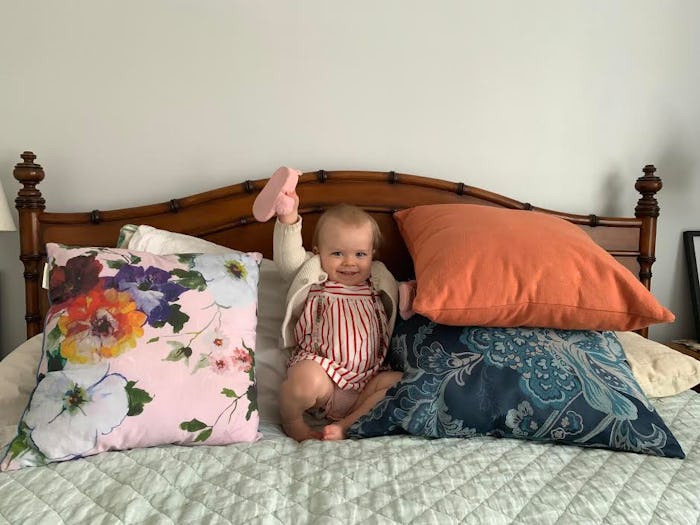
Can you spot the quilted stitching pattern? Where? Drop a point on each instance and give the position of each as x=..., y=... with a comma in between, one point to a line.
x=382, y=480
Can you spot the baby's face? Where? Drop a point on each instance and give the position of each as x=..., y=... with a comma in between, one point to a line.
x=346, y=251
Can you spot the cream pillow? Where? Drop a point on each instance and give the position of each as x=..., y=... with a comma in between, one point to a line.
x=660, y=370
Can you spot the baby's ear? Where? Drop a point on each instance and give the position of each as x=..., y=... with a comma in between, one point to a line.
x=315, y=250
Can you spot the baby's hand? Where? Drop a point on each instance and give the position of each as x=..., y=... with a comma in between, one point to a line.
x=288, y=208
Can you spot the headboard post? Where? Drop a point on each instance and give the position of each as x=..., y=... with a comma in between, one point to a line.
x=30, y=204
x=647, y=210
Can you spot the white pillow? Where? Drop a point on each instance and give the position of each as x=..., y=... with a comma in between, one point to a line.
x=161, y=242
x=661, y=371
x=270, y=359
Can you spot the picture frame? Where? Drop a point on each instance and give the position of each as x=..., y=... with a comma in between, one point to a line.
x=691, y=240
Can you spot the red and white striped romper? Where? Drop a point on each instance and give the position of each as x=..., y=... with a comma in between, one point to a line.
x=344, y=329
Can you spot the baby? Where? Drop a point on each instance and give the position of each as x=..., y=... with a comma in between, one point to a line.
x=341, y=308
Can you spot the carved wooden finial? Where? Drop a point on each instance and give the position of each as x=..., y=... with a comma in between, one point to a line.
x=29, y=174
x=648, y=211
x=30, y=205
x=648, y=185
x=28, y=157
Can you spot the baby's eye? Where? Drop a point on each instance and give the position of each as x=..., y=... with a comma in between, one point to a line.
x=337, y=254
x=361, y=254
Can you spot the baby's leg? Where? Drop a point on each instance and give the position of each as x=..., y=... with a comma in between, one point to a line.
x=307, y=386
x=373, y=393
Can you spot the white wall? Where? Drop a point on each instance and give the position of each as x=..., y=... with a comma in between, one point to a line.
x=556, y=103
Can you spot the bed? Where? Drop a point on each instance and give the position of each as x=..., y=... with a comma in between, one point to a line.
x=400, y=478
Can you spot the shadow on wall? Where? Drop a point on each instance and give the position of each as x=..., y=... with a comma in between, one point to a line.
x=611, y=191
x=676, y=165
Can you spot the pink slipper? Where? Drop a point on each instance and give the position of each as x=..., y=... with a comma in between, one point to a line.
x=272, y=200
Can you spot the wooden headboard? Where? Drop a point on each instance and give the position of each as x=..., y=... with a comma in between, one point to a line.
x=224, y=216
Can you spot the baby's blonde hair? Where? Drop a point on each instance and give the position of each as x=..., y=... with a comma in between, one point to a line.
x=352, y=216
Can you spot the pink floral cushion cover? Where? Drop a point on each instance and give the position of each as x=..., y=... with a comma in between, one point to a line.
x=142, y=350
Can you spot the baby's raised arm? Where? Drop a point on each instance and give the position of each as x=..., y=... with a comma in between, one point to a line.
x=287, y=246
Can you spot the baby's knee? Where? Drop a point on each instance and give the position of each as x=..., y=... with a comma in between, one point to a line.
x=305, y=385
x=294, y=390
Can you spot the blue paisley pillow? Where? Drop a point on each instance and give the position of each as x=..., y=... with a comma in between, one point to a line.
x=563, y=386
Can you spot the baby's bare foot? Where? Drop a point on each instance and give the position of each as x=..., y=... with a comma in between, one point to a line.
x=300, y=431
x=333, y=432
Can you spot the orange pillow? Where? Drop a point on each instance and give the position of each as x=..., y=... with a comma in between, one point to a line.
x=485, y=266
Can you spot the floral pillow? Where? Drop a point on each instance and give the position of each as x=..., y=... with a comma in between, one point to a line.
x=562, y=386
x=142, y=350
